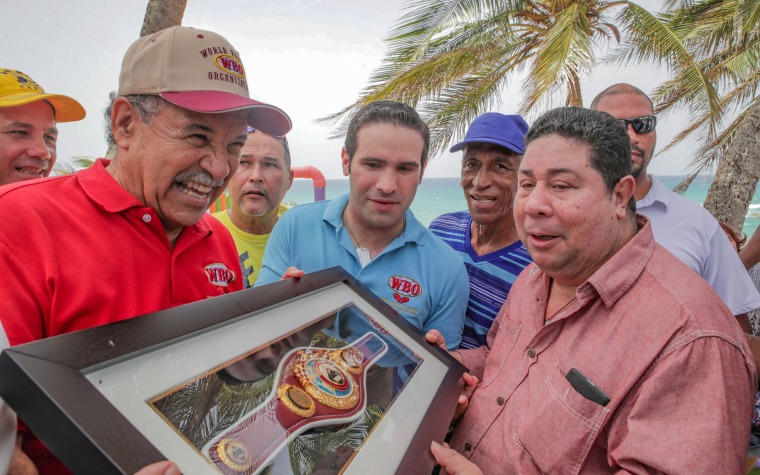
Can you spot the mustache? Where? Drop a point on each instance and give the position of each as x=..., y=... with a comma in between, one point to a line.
x=636, y=148
x=199, y=176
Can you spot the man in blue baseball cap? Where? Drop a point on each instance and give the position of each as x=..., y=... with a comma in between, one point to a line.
x=485, y=235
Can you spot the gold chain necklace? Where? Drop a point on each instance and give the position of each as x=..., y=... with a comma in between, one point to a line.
x=356, y=241
x=548, y=319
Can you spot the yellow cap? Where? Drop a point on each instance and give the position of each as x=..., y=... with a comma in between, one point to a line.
x=17, y=89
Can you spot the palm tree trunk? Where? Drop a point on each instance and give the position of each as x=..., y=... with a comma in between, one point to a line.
x=574, y=97
x=737, y=173
x=162, y=14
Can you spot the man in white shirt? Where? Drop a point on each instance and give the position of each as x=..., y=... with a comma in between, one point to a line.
x=681, y=226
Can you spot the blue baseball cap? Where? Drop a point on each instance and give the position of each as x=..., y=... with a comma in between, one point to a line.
x=505, y=130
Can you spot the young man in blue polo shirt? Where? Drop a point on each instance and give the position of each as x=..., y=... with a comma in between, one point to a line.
x=371, y=232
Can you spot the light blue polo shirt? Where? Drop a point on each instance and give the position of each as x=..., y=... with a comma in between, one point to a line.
x=491, y=275
x=417, y=274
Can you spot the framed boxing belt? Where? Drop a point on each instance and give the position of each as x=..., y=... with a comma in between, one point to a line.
x=315, y=375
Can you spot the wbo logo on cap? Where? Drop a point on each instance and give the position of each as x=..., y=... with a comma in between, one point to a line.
x=505, y=130
x=230, y=65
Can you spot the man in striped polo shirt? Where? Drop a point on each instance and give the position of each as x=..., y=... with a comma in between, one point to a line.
x=485, y=236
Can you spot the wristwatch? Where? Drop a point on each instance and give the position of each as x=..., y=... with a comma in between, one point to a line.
x=313, y=387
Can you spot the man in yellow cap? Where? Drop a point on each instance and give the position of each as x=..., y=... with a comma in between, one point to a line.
x=28, y=133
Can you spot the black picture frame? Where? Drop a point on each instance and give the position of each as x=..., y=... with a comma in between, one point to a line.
x=49, y=383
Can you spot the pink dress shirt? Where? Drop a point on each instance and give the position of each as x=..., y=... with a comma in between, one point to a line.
x=652, y=335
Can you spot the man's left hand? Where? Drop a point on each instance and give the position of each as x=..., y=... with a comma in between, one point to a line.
x=452, y=462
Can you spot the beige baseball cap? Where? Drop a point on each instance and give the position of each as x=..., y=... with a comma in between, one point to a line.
x=18, y=89
x=197, y=70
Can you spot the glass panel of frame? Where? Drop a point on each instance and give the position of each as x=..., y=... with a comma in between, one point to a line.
x=324, y=383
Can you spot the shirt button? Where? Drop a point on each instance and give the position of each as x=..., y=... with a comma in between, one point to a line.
x=500, y=401
x=467, y=446
x=531, y=353
x=147, y=218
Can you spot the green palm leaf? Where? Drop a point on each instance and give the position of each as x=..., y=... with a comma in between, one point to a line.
x=453, y=59
x=72, y=166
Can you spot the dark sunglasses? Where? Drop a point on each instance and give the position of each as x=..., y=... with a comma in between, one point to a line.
x=281, y=138
x=641, y=125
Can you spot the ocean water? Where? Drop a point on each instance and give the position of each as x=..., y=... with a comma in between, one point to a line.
x=436, y=196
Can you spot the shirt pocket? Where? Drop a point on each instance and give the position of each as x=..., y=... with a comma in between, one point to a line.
x=560, y=426
x=503, y=345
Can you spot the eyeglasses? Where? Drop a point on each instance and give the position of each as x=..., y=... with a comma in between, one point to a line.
x=281, y=138
x=641, y=125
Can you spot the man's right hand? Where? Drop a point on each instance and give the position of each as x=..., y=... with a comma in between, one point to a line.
x=434, y=337
x=21, y=464
x=452, y=462
x=160, y=468
x=292, y=273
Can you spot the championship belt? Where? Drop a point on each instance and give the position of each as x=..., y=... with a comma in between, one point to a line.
x=313, y=387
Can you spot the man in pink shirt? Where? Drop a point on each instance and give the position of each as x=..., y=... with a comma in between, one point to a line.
x=609, y=355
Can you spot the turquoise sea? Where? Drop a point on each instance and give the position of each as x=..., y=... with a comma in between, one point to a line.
x=436, y=196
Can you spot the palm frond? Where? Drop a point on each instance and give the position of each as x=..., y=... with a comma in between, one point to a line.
x=651, y=39
x=685, y=184
x=449, y=114
x=308, y=449
x=72, y=166
x=563, y=50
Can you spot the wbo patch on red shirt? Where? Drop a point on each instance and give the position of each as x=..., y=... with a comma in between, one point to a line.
x=219, y=274
x=403, y=288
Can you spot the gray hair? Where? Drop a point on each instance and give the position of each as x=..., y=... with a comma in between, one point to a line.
x=284, y=141
x=146, y=106
x=386, y=112
x=607, y=139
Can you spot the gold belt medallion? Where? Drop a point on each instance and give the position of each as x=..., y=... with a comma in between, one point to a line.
x=234, y=455
x=297, y=400
x=326, y=381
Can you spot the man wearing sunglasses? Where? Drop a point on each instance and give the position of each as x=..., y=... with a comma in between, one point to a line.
x=681, y=226
x=256, y=192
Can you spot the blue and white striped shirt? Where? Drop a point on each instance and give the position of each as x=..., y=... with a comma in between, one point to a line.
x=491, y=275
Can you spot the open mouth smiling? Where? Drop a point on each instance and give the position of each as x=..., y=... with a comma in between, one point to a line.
x=32, y=171
x=483, y=199
x=194, y=189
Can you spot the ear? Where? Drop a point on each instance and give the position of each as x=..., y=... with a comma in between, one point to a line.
x=622, y=194
x=422, y=171
x=346, y=162
x=123, y=122
x=290, y=179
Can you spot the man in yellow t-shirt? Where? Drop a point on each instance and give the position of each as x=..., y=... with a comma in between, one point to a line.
x=256, y=192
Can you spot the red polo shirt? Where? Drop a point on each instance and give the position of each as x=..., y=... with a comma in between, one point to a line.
x=79, y=251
